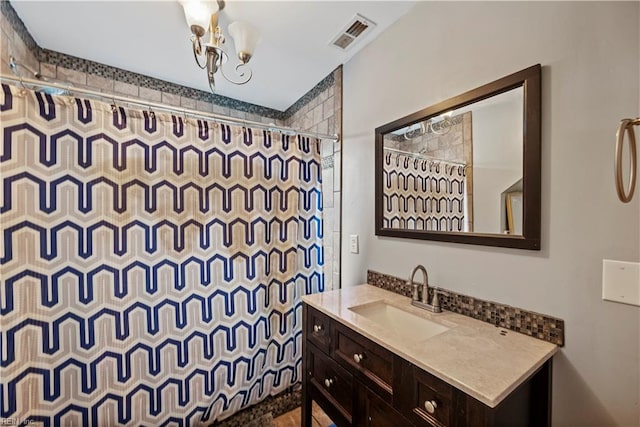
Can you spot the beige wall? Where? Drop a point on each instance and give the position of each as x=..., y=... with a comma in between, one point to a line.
x=591, y=79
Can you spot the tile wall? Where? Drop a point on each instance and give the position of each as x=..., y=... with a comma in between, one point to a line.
x=322, y=113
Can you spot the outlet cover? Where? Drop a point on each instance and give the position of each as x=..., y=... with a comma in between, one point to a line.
x=621, y=281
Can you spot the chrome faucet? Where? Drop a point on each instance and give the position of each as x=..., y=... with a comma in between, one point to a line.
x=423, y=302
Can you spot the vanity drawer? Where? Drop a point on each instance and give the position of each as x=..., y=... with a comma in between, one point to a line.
x=317, y=326
x=333, y=383
x=425, y=399
x=373, y=362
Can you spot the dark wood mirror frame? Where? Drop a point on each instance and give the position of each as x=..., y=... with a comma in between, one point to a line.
x=529, y=79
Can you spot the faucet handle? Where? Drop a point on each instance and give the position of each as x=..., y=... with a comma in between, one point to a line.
x=435, y=301
x=414, y=290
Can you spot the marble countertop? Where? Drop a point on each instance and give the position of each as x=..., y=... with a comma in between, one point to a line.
x=471, y=355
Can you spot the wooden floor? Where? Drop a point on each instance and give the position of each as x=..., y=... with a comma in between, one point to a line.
x=293, y=418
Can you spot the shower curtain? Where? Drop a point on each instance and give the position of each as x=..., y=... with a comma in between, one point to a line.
x=423, y=194
x=152, y=265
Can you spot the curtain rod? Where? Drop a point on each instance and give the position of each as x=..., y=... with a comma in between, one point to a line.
x=186, y=111
x=395, y=150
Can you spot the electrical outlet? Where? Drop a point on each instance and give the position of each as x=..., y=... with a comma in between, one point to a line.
x=621, y=281
x=353, y=244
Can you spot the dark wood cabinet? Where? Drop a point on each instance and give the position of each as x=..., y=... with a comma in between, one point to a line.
x=359, y=383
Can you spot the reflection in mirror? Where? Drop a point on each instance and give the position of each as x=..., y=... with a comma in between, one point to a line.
x=427, y=175
x=465, y=170
x=450, y=172
x=514, y=212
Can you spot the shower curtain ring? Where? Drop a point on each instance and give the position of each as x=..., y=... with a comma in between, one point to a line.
x=23, y=90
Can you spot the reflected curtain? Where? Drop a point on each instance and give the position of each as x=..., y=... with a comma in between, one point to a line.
x=423, y=194
x=152, y=266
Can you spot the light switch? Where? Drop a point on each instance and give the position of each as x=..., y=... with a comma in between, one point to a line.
x=353, y=244
x=621, y=281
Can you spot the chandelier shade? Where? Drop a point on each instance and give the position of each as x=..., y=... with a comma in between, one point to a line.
x=202, y=17
x=198, y=14
x=245, y=37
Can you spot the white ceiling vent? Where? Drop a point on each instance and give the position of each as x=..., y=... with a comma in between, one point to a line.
x=354, y=29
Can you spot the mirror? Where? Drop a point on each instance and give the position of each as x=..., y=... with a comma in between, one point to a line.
x=465, y=170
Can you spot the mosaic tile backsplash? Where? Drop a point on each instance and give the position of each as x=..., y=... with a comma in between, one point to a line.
x=526, y=322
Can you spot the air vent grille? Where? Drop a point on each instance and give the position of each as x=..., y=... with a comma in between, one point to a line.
x=357, y=26
x=343, y=41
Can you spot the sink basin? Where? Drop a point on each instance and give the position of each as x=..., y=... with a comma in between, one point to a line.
x=399, y=321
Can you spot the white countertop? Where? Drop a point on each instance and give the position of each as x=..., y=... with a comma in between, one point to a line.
x=471, y=355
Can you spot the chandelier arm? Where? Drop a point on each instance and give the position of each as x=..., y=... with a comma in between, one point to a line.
x=212, y=83
x=197, y=51
x=211, y=76
x=245, y=76
x=215, y=57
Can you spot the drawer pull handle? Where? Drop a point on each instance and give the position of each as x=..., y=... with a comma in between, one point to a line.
x=430, y=406
x=328, y=382
x=317, y=328
x=358, y=357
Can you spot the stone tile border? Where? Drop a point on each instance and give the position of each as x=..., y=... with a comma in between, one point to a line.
x=53, y=58
x=325, y=83
x=526, y=322
x=18, y=26
x=276, y=405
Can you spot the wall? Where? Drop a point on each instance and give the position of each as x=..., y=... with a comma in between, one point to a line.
x=590, y=57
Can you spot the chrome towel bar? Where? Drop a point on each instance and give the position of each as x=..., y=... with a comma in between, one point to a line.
x=626, y=127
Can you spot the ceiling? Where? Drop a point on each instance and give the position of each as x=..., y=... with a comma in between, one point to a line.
x=152, y=38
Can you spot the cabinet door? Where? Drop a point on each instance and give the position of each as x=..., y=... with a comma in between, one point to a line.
x=373, y=411
x=426, y=400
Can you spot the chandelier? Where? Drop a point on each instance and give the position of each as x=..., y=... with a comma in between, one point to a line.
x=202, y=17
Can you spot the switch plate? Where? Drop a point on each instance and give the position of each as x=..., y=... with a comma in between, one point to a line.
x=621, y=281
x=353, y=244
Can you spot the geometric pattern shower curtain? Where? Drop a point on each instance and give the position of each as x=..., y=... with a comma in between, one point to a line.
x=423, y=194
x=151, y=266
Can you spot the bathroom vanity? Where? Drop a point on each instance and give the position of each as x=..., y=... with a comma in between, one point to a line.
x=372, y=359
